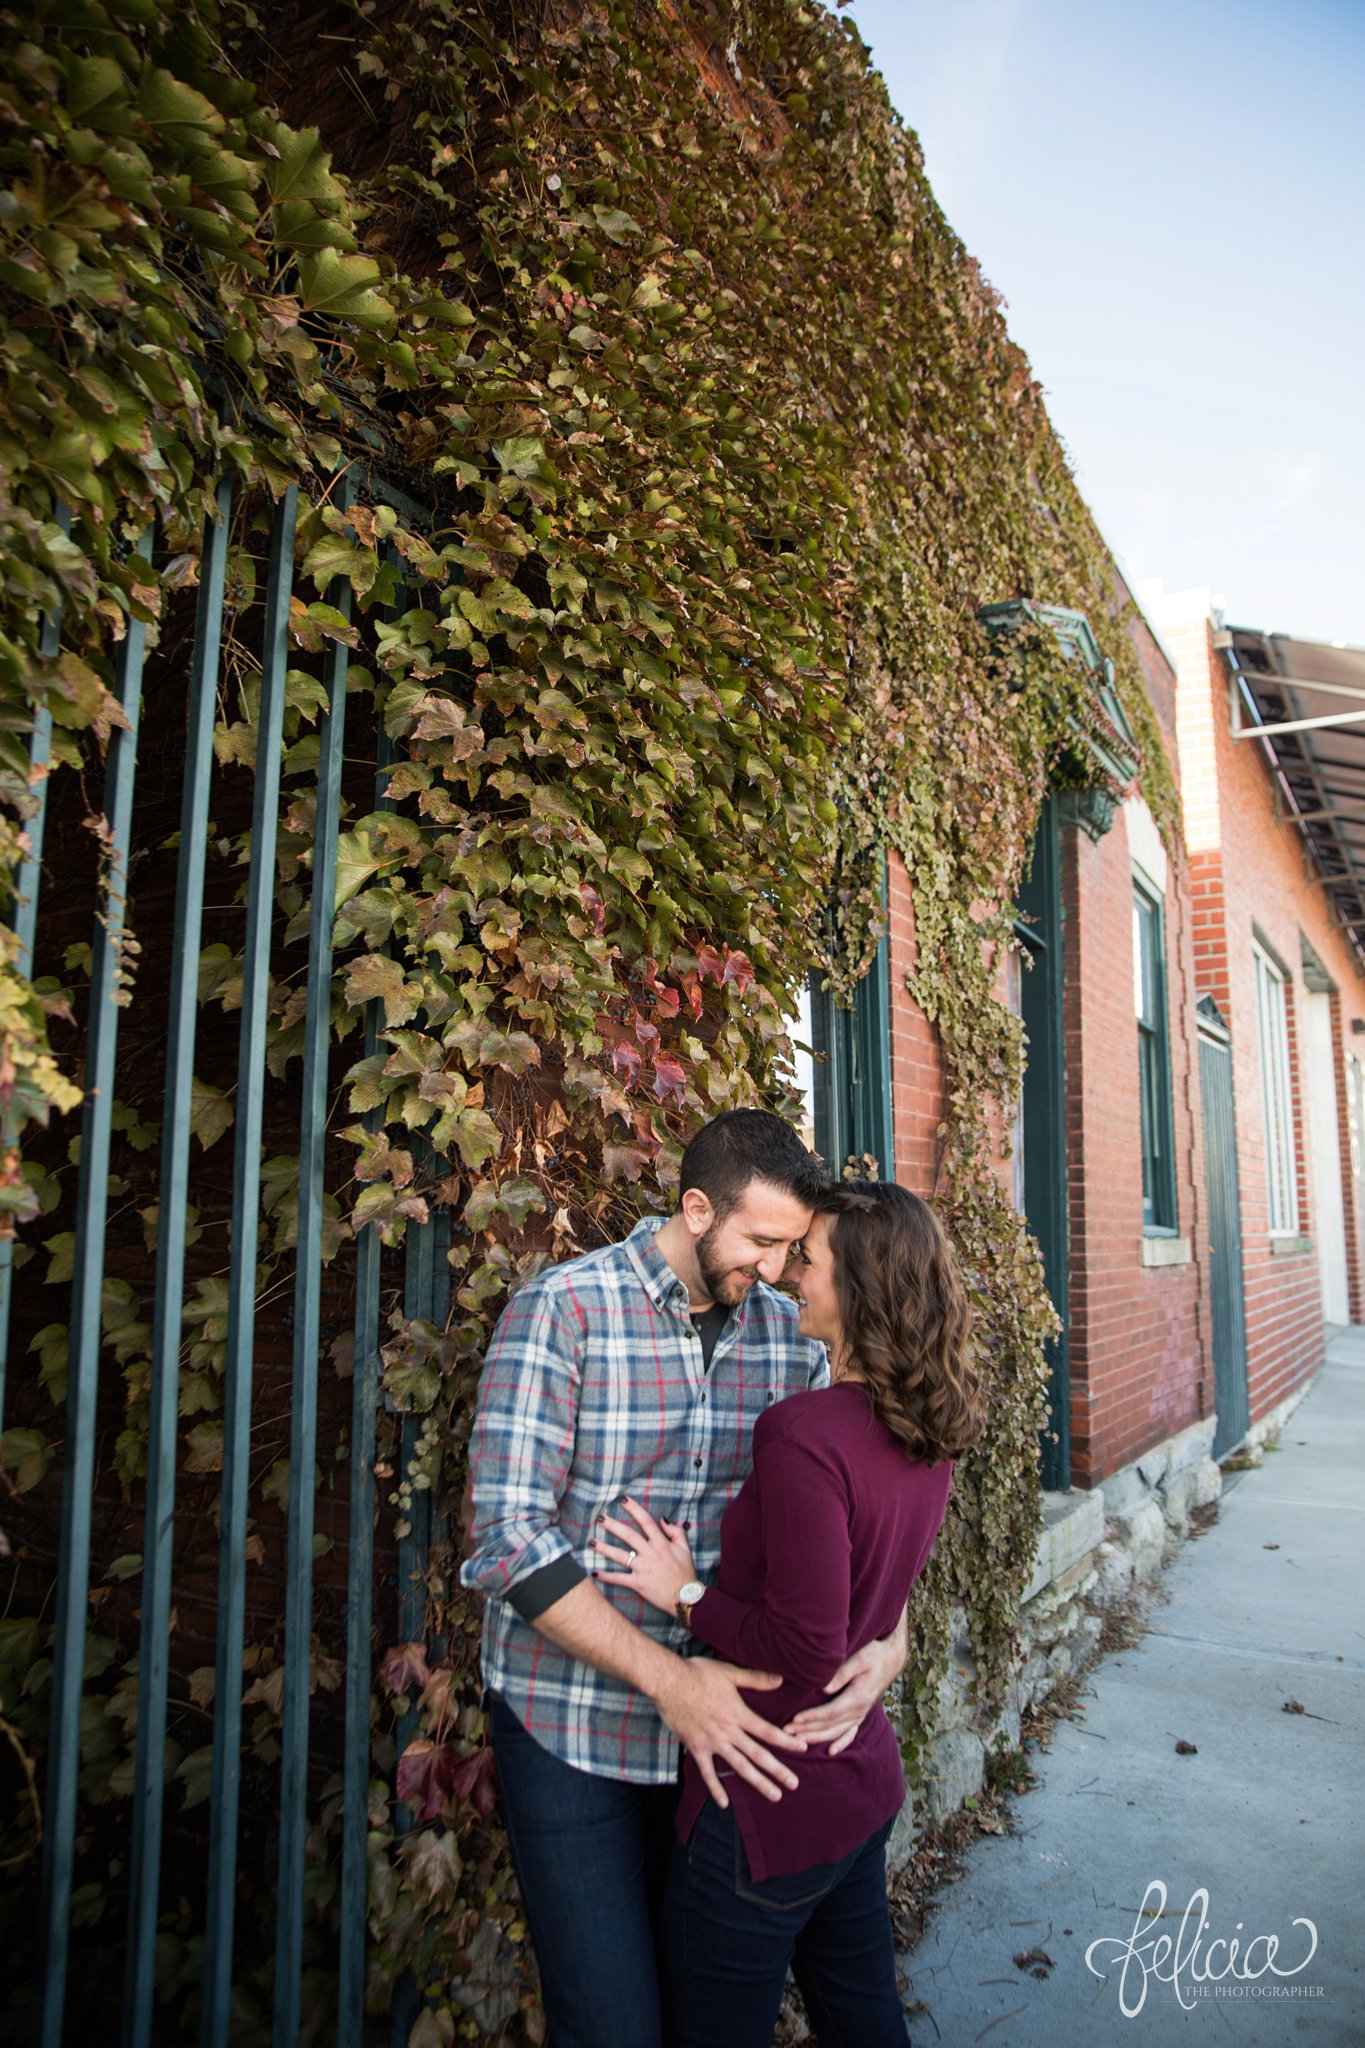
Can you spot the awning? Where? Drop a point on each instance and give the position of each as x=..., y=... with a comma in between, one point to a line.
x=1305, y=701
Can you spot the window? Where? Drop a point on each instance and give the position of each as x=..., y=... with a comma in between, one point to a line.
x=1154, y=1062
x=803, y=1041
x=853, y=1078
x=1272, y=1025
x=843, y=1074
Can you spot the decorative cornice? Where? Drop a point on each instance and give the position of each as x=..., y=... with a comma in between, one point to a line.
x=1104, y=756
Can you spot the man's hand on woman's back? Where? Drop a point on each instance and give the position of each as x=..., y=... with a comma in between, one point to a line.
x=854, y=1690
x=701, y=1703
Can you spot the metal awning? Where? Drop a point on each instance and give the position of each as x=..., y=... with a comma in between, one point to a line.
x=1305, y=700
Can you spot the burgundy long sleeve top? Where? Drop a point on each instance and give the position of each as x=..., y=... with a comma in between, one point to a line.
x=818, y=1552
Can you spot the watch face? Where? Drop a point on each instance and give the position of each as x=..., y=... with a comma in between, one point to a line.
x=691, y=1593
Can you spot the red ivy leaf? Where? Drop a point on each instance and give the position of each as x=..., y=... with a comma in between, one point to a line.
x=692, y=990
x=624, y=1162
x=645, y=1132
x=738, y=970
x=425, y=1770
x=669, y=1079
x=627, y=1060
x=475, y=1782
x=594, y=906
x=667, y=1002
x=648, y=1034
x=403, y=1666
x=709, y=962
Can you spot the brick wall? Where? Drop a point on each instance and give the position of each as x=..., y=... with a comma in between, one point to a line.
x=1140, y=1364
x=1250, y=875
x=916, y=1059
x=1139, y=1355
x=1140, y=1340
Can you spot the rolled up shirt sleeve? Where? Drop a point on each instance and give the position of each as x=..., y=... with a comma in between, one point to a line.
x=521, y=1449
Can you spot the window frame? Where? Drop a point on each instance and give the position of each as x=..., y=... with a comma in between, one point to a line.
x=1277, y=1091
x=1160, y=1217
x=850, y=1082
x=852, y=1050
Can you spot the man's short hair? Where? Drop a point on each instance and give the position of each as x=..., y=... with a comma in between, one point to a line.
x=746, y=1145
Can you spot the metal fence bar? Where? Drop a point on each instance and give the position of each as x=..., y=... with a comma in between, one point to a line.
x=412, y=1548
x=78, y=1477
x=139, y=1984
x=27, y=884
x=426, y=1294
x=298, y=1633
x=246, y=1189
x=360, y=1567
x=359, y=1615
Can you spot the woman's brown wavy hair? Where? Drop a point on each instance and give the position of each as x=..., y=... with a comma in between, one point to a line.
x=906, y=1318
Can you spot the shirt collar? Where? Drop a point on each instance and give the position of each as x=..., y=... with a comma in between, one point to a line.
x=662, y=1284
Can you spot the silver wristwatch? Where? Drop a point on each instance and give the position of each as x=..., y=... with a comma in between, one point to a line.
x=688, y=1596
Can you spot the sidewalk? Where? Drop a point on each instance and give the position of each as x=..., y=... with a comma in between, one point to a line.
x=1268, y=1818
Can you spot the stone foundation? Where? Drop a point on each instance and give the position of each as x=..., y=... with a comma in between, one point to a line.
x=1095, y=1549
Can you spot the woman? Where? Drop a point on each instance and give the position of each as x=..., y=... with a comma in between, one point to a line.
x=818, y=1554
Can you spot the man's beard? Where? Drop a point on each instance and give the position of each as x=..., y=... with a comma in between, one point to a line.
x=725, y=1286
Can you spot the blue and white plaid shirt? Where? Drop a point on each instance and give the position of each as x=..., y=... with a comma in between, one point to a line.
x=593, y=1387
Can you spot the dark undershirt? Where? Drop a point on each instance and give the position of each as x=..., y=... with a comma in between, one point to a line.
x=708, y=1324
x=534, y=1594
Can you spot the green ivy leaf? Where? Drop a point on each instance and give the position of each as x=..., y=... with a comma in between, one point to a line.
x=24, y=1458
x=615, y=225
x=374, y=976
x=344, y=288
x=520, y=455
x=204, y=1448
x=178, y=113
x=211, y=1112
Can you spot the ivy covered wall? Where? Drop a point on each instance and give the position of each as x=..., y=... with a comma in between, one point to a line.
x=717, y=446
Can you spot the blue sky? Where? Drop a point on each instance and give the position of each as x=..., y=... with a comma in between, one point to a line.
x=1172, y=199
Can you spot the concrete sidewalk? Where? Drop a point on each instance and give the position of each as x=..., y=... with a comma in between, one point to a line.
x=1268, y=1818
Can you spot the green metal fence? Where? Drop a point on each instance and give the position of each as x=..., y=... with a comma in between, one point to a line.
x=426, y=1293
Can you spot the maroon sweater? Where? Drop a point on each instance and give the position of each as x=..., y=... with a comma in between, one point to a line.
x=818, y=1552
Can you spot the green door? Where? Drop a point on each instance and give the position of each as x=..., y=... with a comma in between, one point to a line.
x=1043, y=1115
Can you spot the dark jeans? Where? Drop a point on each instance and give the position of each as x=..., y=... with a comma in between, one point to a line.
x=591, y=1856
x=729, y=1938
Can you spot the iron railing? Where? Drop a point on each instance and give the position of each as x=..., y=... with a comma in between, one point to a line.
x=426, y=1293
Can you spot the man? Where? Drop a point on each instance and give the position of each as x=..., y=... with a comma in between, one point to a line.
x=636, y=1370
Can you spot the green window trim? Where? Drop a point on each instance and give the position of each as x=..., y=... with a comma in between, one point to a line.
x=1042, y=1120
x=853, y=1075
x=1154, y=1063
x=848, y=1084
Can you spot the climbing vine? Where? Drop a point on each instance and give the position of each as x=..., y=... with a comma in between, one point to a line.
x=710, y=445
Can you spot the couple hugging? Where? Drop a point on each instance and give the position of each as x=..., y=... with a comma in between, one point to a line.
x=698, y=1511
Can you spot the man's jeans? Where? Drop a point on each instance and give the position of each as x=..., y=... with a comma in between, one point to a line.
x=729, y=1938
x=591, y=1856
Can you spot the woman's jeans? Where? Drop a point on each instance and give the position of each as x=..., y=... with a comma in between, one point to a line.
x=729, y=1938
x=591, y=1855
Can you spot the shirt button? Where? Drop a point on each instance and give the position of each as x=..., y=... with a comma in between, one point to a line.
x=697, y=1463
x=686, y=1525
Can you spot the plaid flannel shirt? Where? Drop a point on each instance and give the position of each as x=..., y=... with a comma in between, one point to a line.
x=593, y=1387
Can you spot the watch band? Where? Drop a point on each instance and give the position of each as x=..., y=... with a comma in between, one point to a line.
x=688, y=1596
